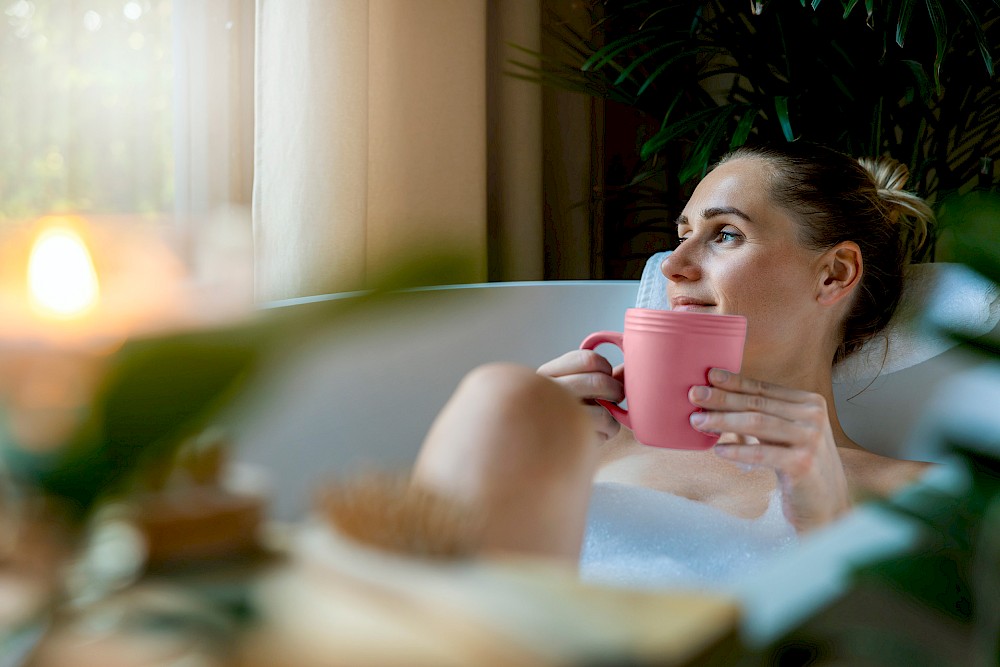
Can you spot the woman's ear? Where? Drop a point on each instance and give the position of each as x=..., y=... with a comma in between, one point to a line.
x=840, y=272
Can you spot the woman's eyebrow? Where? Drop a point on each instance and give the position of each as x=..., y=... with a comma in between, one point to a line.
x=714, y=211
x=724, y=210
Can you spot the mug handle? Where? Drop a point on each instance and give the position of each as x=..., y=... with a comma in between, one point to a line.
x=613, y=338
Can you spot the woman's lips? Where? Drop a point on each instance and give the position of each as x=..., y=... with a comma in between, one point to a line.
x=684, y=303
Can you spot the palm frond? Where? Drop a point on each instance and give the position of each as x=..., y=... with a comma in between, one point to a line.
x=905, y=80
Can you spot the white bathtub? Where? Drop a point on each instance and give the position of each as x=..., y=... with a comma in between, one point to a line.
x=361, y=393
x=364, y=393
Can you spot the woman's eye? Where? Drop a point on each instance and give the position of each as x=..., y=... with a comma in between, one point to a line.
x=721, y=236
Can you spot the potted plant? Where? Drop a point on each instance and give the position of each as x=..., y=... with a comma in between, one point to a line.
x=911, y=80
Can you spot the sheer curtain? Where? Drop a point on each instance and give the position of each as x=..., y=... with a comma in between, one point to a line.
x=85, y=109
x=135, y=112
x=379, y=133
x=213, y=128
x=213, y=46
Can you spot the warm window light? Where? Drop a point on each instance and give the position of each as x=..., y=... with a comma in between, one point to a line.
x=62, y=281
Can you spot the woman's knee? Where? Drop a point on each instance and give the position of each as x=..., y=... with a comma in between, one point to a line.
x=506, y=421
x=519, y=447
x=518, y=393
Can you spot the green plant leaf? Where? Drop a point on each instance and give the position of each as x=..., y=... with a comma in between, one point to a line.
x=655, y=14
x=981, y=41
x=674, y=130
x=607, y=54
x=811, y=75
x=781, y=108
x=920, y=78
x=743, y=128
x=939, y=22
x=843, y=53
x=905, y=12
x=705, y=146
x=670, y=109
x=643, y=176
x=568, y=39
x=689, y=53
x=627, y=72
x=541, y=57
x=843, y=88
x=580, y=85
x=876, y=138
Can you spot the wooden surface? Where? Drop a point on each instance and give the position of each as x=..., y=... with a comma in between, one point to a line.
x=328, y=602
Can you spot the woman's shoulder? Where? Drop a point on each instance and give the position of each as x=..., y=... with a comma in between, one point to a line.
x=869, y=474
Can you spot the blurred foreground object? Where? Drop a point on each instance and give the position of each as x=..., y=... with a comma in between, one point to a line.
x=915, y=579
x=102, y=373
x=71, y=293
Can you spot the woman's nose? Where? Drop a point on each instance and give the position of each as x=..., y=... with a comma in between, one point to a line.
x=680, y=264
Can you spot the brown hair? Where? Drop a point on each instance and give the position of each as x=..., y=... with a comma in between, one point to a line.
x=838, y=198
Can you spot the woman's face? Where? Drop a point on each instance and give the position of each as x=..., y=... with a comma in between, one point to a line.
x=740, y=254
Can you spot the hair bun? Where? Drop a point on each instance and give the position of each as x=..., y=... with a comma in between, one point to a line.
x=888, y=173
x=909, y=211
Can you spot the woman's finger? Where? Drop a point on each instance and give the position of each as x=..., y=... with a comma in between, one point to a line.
x=789, y=462
x=764, y=427
x=723, y=379
x=715, y=398
x=588, y=386
x=619, y=373
x=574, y=362
x=756, y=454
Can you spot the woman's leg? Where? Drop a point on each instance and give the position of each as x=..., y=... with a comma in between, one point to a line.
x=521, y=450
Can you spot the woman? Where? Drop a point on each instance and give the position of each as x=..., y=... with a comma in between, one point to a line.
x=805, y=242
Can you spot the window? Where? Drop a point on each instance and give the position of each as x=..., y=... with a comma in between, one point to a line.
x=137, y=108
x=86, y=121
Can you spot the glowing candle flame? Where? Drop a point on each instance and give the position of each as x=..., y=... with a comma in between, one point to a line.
x=62, y=281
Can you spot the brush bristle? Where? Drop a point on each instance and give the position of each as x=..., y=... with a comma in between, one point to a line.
x=389, y=512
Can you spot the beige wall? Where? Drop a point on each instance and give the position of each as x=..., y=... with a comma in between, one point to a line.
x=427, y=131
x=515, y=153
x=572, y=165
x=370, y=140
x=390, y=128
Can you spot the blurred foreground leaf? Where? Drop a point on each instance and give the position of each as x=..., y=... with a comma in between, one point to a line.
x=156, y=392
x=160, y=390
x=971, y=222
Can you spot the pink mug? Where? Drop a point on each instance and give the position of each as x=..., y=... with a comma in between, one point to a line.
x=667, y=353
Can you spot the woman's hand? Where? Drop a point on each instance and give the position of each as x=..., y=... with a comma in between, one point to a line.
x=588, y=376
x=781, y=428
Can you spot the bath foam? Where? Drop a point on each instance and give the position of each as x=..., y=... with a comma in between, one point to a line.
x=643, y=538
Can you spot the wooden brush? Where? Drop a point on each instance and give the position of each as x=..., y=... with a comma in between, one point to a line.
x=390, y=512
